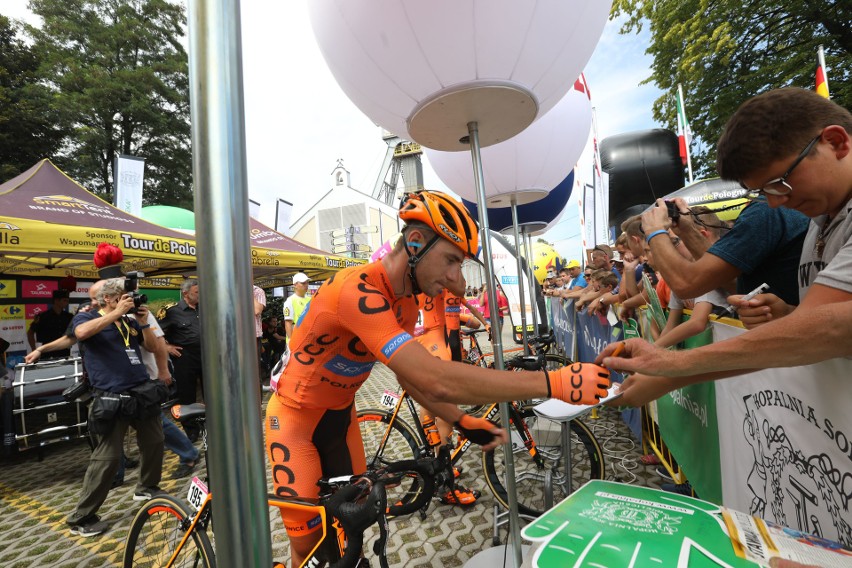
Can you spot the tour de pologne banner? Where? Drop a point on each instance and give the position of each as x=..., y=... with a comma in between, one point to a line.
x=785, y=437
x=688, y=424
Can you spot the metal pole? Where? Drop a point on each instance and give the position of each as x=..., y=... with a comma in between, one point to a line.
x=531, y=273
x=497, y=341
x=236, y=465
x=520, y=276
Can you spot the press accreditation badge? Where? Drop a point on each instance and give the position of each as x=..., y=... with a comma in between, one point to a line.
x=133, y=356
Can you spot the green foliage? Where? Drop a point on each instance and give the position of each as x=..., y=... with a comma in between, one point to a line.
x=30, y=128
x=725, y=51
x=119, y=74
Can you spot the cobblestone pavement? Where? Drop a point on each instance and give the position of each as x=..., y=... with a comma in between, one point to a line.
x=35, y=498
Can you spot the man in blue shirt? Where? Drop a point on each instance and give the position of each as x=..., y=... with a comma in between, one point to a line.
x=113, y=362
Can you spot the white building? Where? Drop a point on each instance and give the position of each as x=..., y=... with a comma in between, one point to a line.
x=345, y=220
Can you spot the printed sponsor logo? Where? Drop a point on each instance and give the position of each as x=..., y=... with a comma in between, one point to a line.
x=447, y=231
x=513, y=280
x=157, y=245
x=314, y=522
x=340, y=365
x=394, y=344
x=9, y=226
x=38, y=288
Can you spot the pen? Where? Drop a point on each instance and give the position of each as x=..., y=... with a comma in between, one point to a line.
x=759, y=290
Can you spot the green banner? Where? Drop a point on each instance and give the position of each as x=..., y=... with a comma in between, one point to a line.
x=689, y=427
x=613, y=524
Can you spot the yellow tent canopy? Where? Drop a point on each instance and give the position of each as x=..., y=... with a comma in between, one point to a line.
x=50, y=226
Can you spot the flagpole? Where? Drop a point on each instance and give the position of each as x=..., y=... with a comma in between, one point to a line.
x=821, y=62
x=685, y=134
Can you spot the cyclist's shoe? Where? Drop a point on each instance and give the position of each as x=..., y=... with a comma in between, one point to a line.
x=460, y=496
x=457, y=471
x=93, y=526
x=145, y=493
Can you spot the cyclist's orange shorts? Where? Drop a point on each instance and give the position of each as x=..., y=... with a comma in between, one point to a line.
x=304, y=445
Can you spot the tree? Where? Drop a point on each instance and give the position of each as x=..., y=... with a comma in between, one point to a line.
x=725, y=51
x=30, y=128
x=120, y=77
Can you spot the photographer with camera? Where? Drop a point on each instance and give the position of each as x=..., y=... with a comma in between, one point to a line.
x=123, y=396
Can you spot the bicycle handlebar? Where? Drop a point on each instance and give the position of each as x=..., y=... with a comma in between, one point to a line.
x=355, y=518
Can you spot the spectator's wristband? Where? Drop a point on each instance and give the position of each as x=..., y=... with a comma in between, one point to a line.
x=146, y=326
x=654, y=234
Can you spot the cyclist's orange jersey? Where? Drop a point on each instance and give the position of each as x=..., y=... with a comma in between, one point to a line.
x=453, y=305
x=433, y=335
x=352, y=321
x=431, y=313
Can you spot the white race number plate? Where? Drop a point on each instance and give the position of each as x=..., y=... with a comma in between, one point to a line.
x=197, y=493
x=389, y=399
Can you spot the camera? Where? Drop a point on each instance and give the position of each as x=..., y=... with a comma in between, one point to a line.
x=131, y=283
x=674, y=212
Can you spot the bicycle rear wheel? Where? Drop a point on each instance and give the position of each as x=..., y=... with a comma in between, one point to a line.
x=401, y=442
x=587, y=463
x=156, y=532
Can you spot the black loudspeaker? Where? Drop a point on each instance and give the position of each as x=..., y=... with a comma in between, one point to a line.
x=642, y=167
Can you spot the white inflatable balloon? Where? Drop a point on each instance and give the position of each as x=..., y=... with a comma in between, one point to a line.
x=529, y=165
x=424, y=69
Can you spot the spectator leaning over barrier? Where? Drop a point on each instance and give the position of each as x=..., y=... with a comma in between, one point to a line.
x=704, y=306
x=794, y=147
x=573, y=276
x=763, y=245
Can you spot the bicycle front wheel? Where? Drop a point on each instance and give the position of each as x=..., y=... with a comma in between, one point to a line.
x=386, y=442
x=533, y=473
x=156, y=533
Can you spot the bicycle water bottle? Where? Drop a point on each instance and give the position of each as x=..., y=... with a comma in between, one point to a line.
x=433, y=437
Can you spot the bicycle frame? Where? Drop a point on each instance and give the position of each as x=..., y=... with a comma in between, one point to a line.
x=492, y=410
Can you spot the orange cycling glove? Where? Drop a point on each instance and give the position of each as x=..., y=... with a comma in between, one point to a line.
x=477, y=430
x=578, y=383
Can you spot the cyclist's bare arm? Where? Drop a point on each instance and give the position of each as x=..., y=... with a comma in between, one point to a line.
x=451, y=382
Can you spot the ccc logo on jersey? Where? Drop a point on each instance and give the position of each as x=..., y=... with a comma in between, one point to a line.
x=308, y=354
x=372, y=301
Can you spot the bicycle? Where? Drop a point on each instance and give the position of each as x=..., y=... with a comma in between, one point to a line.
x=536, y=444
x=166, y=533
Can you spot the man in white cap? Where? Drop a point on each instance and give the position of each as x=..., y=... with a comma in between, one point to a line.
x=294, y=306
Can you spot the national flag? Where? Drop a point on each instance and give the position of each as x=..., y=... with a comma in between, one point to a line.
x=684, y=134
x=821, y=83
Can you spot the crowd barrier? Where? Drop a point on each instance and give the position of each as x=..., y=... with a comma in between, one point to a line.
x=776, y=443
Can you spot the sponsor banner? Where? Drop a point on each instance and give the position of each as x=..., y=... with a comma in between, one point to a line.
x=8, y=289
x=15, y=332
x=786, y=436
x=689, y=426
x=32, y=310
x=12, y=311
x=81, y=292
x=564, y=318
x=42, y=289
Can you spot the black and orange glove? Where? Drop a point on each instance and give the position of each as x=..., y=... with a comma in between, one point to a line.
x=477, y=430
x=578, y=383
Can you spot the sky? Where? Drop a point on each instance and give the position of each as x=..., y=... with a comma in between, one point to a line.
x=299, y=122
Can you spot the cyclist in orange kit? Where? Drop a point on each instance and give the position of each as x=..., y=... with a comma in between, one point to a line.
x=365, y=314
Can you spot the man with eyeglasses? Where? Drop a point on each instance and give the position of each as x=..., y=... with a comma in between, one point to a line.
x=794, y=147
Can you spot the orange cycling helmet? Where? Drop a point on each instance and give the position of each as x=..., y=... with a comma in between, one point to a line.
x=444, y=215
